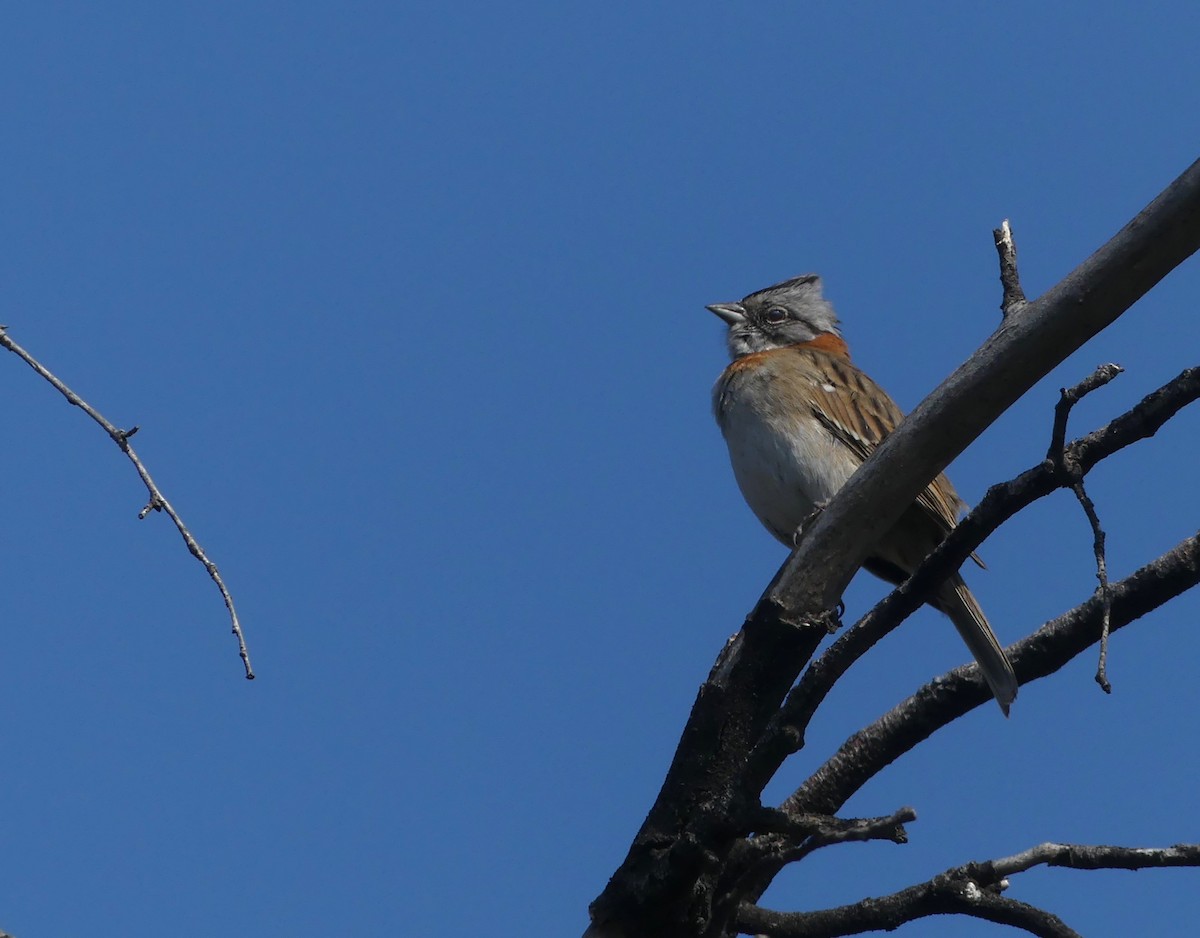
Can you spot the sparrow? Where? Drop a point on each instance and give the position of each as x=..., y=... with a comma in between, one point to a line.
x=799, y=418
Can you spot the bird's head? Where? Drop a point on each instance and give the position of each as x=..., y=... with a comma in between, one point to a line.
x=784, y=314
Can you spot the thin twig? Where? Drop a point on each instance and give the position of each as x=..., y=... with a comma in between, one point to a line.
x=1089, y=509
x=158, y=501
x=1071, y=470
x=1010, y=280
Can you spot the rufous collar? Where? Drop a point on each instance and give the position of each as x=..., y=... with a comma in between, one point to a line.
x=827, y=342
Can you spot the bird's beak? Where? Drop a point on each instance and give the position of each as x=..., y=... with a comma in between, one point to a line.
x=732, y=313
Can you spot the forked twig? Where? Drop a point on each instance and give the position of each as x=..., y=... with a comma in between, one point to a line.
x=157, y=501
x=1057, y=454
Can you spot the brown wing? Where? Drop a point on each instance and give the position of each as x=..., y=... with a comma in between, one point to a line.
x=859, y=413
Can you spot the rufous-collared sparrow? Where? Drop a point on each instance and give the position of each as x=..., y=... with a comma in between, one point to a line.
x=799, y=418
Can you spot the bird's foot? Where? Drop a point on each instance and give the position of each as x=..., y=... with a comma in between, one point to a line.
x=812, y=516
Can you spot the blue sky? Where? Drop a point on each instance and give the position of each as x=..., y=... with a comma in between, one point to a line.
x=408, y=302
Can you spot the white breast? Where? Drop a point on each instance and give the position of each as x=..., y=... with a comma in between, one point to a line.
x=785, y=461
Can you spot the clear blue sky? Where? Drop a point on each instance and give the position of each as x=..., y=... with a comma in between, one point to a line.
x=408, y=301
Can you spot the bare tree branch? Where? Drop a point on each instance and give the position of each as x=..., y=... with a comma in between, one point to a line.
x=943, y=895
x=797, y=828
x=754, y=863
x=780, y=844
x=1098, y=538
x=1068, y=398
x=950, y=696
x=1057, y=454
x=1087, y=857
x=972, y=889
x=158, y=501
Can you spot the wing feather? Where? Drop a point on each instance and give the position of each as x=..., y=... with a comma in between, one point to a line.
x=860, y=414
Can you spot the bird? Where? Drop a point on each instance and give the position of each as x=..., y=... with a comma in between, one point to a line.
x=799, y=417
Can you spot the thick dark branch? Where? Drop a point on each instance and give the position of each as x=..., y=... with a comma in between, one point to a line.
x=1002, y=501
x=943, y=895
x=695, y=820
x=945, y=699
x=972, y=889
x=158, y=501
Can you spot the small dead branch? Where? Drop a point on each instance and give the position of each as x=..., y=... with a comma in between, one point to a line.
x=828, y=829
x=1010, y=280
x=783, y=837
x=157, y=502
x=1069, y=397
x=1057, y=454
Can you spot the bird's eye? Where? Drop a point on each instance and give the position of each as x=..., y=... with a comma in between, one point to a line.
x=776, y=315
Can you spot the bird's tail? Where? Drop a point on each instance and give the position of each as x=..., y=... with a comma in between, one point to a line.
x=958, y=603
